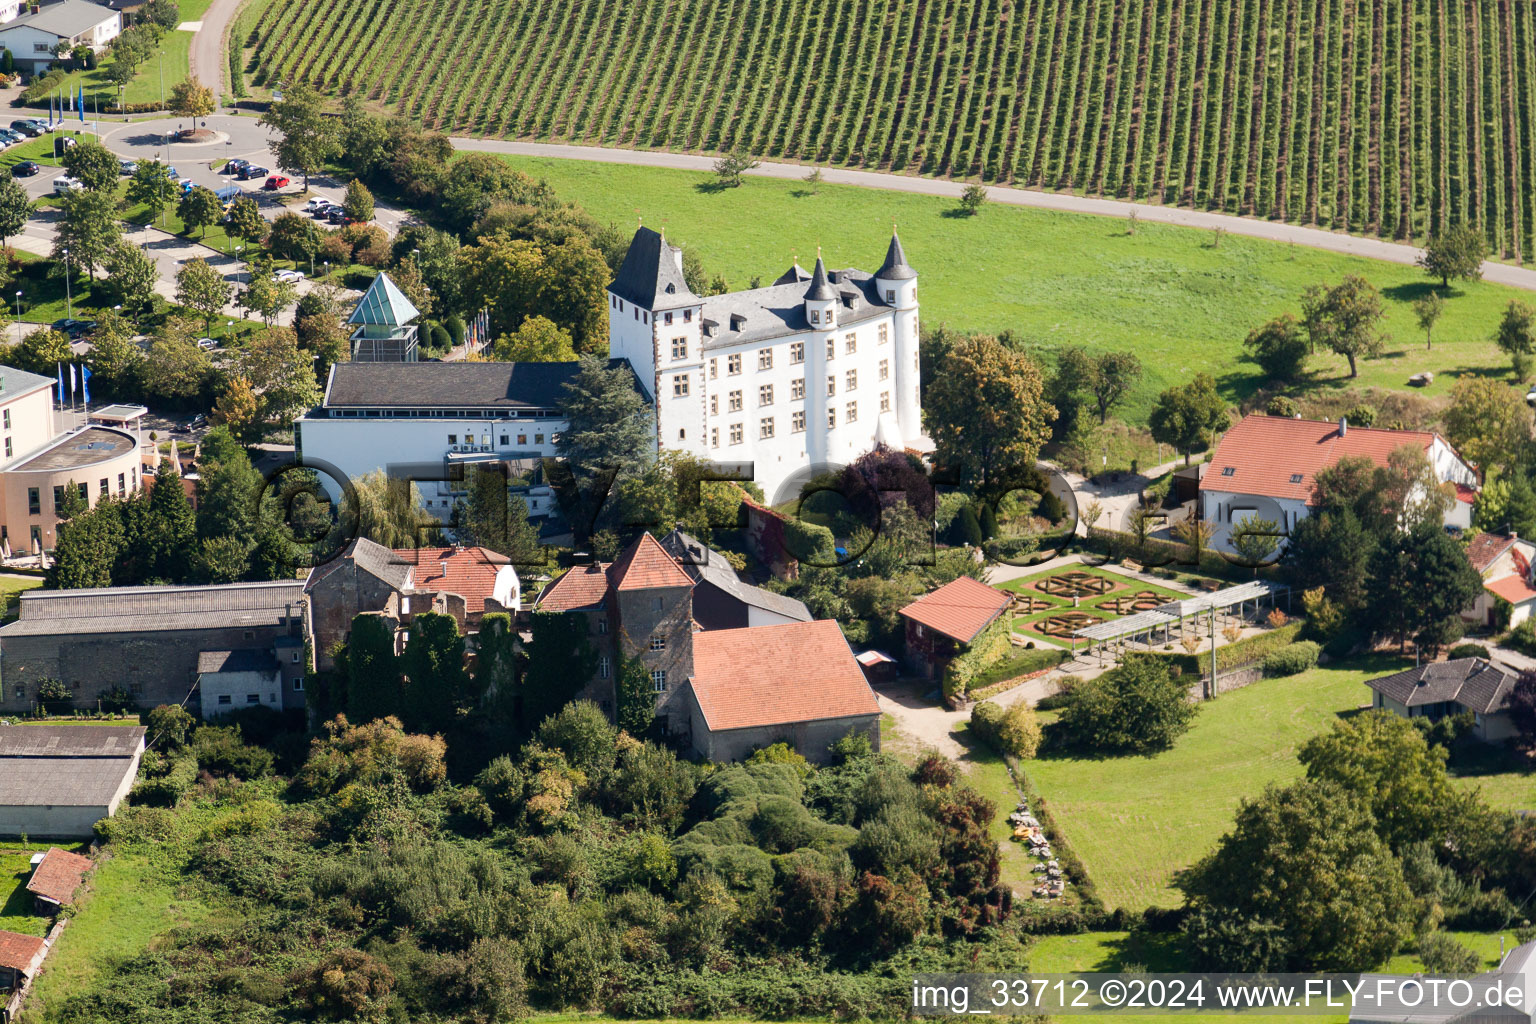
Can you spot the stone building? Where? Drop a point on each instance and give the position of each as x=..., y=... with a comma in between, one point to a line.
x=941, y=625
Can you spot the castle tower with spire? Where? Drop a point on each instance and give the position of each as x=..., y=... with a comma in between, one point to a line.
x=809, y=372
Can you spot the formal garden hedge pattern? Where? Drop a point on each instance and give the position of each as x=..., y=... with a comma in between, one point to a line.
x=1384, y=117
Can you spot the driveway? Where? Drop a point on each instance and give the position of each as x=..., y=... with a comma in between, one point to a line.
x=207, y=61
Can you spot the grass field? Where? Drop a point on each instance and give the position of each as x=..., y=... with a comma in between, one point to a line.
x=1386, y=118
x=1136, y=820
x=1104, y=607
x=1182, y=304
x=152, y=81
x=10, y=593
x=15, y=902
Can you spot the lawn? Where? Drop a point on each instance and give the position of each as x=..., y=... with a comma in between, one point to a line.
x=1166, y=293
x=1134, y=821
x=15, y=868
x=1112, y=604
x=1504, y=782
x=151, y=83
x=10, y=592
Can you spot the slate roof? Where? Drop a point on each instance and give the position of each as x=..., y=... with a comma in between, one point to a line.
x=66, y=19
x=371, y=557
x=145, y=609
x=960, y=609
x=820, y=290
x=777, y=675
x=59, y=875
x=1277, y=457
x=778, y=310
x=645, y=565
x=895, y=267
x=19, y=952
x=450, y=385
x=1474, y=683
x=706, y=566
x=244, y=660
x=1485, y=549
x=583, y=586
x=383, y=305
x=14, y=383
x=469, y=572
x=650, y=276
x=65, y=765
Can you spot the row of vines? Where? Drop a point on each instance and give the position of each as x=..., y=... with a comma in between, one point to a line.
x=1384, y=117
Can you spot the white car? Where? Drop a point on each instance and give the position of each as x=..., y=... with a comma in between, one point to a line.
x=207, y=344
x=128, y=166
x=317, y=204
x=289, y=276
x=64, y=183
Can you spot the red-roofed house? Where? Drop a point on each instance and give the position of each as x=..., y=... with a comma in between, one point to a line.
x=1264, y=467
x=54, y=881
x=942, y=624
x=798, y=683
x=1505, y=562
x=482, y=577
x=20, y=957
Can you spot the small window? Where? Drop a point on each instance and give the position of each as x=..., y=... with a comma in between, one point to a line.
x=503, y=440
x=298, y=685
x=733, y=401
x=538, y=438
x=815, y=317
x=765, y=359
x=831, y=349
x=890, y=295
x=655, y=604
x=797, y=422
x=658, y=643
x=714, y=405
x=883, y=334
x=294, y=657
x=253, y=698
x=765, y=395
x=831, y=418
x=1228, y=470
x=885, y=401
x=602, y=627
x=687, y=316
x=453, y=438
x=850, y=343
x=831, y=385
x=659, y=680
x=736, y=433
x=733, y=364
x=714, y=437
x=797, y=352
x=853, y=412
x=602, y=667
x=667, y=319
x=225, y=698
x=522, y=438
x=714, y=368
x=7, y=447
x=20, y=692
x=1295, y=478
x=853, y=380
x=680, y=386
x=7, y=420
x=765, y=428
x=121, y=484
x=797, y=388
x=679, y=345
x=885, y=369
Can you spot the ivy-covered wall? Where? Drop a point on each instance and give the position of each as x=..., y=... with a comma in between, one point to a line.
x=990, y=645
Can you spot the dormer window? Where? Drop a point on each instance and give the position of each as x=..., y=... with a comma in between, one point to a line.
x=815, y=317
x=671, y=289
x=738, y=321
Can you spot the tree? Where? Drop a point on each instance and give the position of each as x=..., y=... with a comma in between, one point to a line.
x=266, y=295
x=608, y=423
x=115, y=360
x=229, y=489
x=164, y=13
x=1516, y=336
x=537, y=340
x=191, y=98
x=1329, y=549
x=636, y=696
x=730, y=168
x=492, y=517
x=519, y=278
x=972, y=199
x=1344, y=318
x=292, y=237
x=1137, y=708
x=1302, y=882
x=1418, y=580
x=438, y=690
x=814, y=178
x=93, y=165
x=41, y=351
x=359, y=202
x=246, y=221
x=199, y=207
x=87, y=548
x=15, y=209
x=236, y=406
x=387, y=512
x=176, y=370
x=130, y=278
x=172, y=526
x=1279, y=348
x=560, y=661
x=1115, y=375
x=200, y=287
x=308, y=138
x=373, y=672
x=1455, y=252
x=88, y=230
x=171, y=723
x=986, y=410
x=1254, y=540
x=1427, y=310
x=1186, y=415
x=1488, y=422
x=365, y=138
x=279, y=374
x=151, y=187
x=1522, y=710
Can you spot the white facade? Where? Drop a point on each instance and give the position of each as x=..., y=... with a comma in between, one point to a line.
x=223, y=692
x=811, y=371
x=33, y=38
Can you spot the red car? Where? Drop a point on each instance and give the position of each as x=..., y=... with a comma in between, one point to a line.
x=277, y=181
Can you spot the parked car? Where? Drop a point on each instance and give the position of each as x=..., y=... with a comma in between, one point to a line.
x=27, y=128
x=11, y=135
x=249, y=172
x=170, y=172
x=236, y=165
x=207, y=344
x=289, y=276
x=64, y=183
x=45, y=127
x=187, y=184
x=72, y=327
x=127, y=166
x=26, y=169
x=275, y=182
x=336, y=214
x=317, y=204
x=198, y=421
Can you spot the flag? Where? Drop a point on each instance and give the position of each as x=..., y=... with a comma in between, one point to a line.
x=85, y=383
x=82, y=104
x=71, y=382
x=61, y=381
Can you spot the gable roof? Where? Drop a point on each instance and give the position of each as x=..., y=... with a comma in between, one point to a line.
x=645, y=565
x=960, y=609
x=140, y=609
x=1278, y=457
x=582, y=586
x=66, y=19
x=895, y=266
x=1485, y=549
x=450, y=385
x=1514, y=588
x=369, y=556
x=706, y=566
x=651, y=275
x=70, y=740
x=383, y=305
x=777, y=675
x=469, y=572
x=59, y=875
x=14, y=383
x=66, y=765
x=1474, y=683
x=20, y=952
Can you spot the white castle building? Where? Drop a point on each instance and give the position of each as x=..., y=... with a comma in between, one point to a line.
x=813, y=369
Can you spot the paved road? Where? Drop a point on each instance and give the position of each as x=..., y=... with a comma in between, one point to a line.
x=207, y=53
x=1316, y=238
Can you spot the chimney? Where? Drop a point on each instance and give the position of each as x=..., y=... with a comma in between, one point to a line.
x=1343, y=426
x=677, y=256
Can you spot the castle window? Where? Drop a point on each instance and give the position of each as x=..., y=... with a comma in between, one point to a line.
x=659, y=680
x=680, y=386
x=765, y=359
x=667, y=319
x=885, y=401
x=850, y=343
x=885, y=369
x=733, y=401
x=602, y=627
x=890, y=295
x=797, y=352
x=687, y=316
x=679, y=345
x=714, y=405
x=621, y=305
x=797, y=421
x=658, y=643
x=815, y=317
x=884, y=334
x=797, y=388
x=714, y=437
x=853, y=411
x=602, y=667
x=714, y=368
x=765, y=428
x=831, y=349
x=765, y=395
x=733, y=364
x=831, y=385
x=736, y=433
x=853, y=380
x=831, y=418
x=682, y=435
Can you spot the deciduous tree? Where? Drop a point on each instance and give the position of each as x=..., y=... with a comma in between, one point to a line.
x=536, y=340
x=191, y=98
x=15, y=209
x=1344, y=319
x=1455, y=252
x=93, y=165
x=1488, y=422
x=1516, y=336
x=1187, y=415
x=200, y=287
x=88, y=230
x=358, y=204
x=986, y=411
x=1279, y=348
x=130, y=278
x=1427, y=310
x=308, y=138
x=151, y=187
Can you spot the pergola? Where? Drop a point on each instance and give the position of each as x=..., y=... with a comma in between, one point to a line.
x=1164, y=617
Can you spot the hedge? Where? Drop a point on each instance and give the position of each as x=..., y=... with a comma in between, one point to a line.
x=989, y=645
x=1244, y=652
x=1013, y=669
x=1292, y=659
x=1093, y=915
x=1468, y=651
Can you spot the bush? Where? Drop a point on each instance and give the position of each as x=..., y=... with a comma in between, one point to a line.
x=1444, y=955
x=1468, y=651
x=1137, y=708
x=1280, y=405
x=1014, y=730
x=1288, y=661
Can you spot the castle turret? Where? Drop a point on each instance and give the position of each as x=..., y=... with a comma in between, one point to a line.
x=897, y=283
x=821, y=313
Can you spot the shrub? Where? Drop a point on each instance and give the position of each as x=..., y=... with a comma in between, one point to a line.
x=1281, y=405
x=1468, y=651
x=1444, y=955
x=221, y=751
x=1137, y=708
x=1288, y=661
x=1013, y=730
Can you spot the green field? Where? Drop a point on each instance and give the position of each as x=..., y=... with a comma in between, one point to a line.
x=1134, y=821
x=152, y=81
x=10, y=593
x=1166, y=293
x=15, y=902
x=1099, y=606
x=1388, y=118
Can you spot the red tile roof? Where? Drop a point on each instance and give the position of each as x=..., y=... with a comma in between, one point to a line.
x=960, y=609
x=1513, y=589
x=19, y=951
x=777, y=675
x=1485, y=549
x=468, y=572
x=584, y=586
x=1466, y=495
x=1277, y=457
x=645, y=565
x=59, y=875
